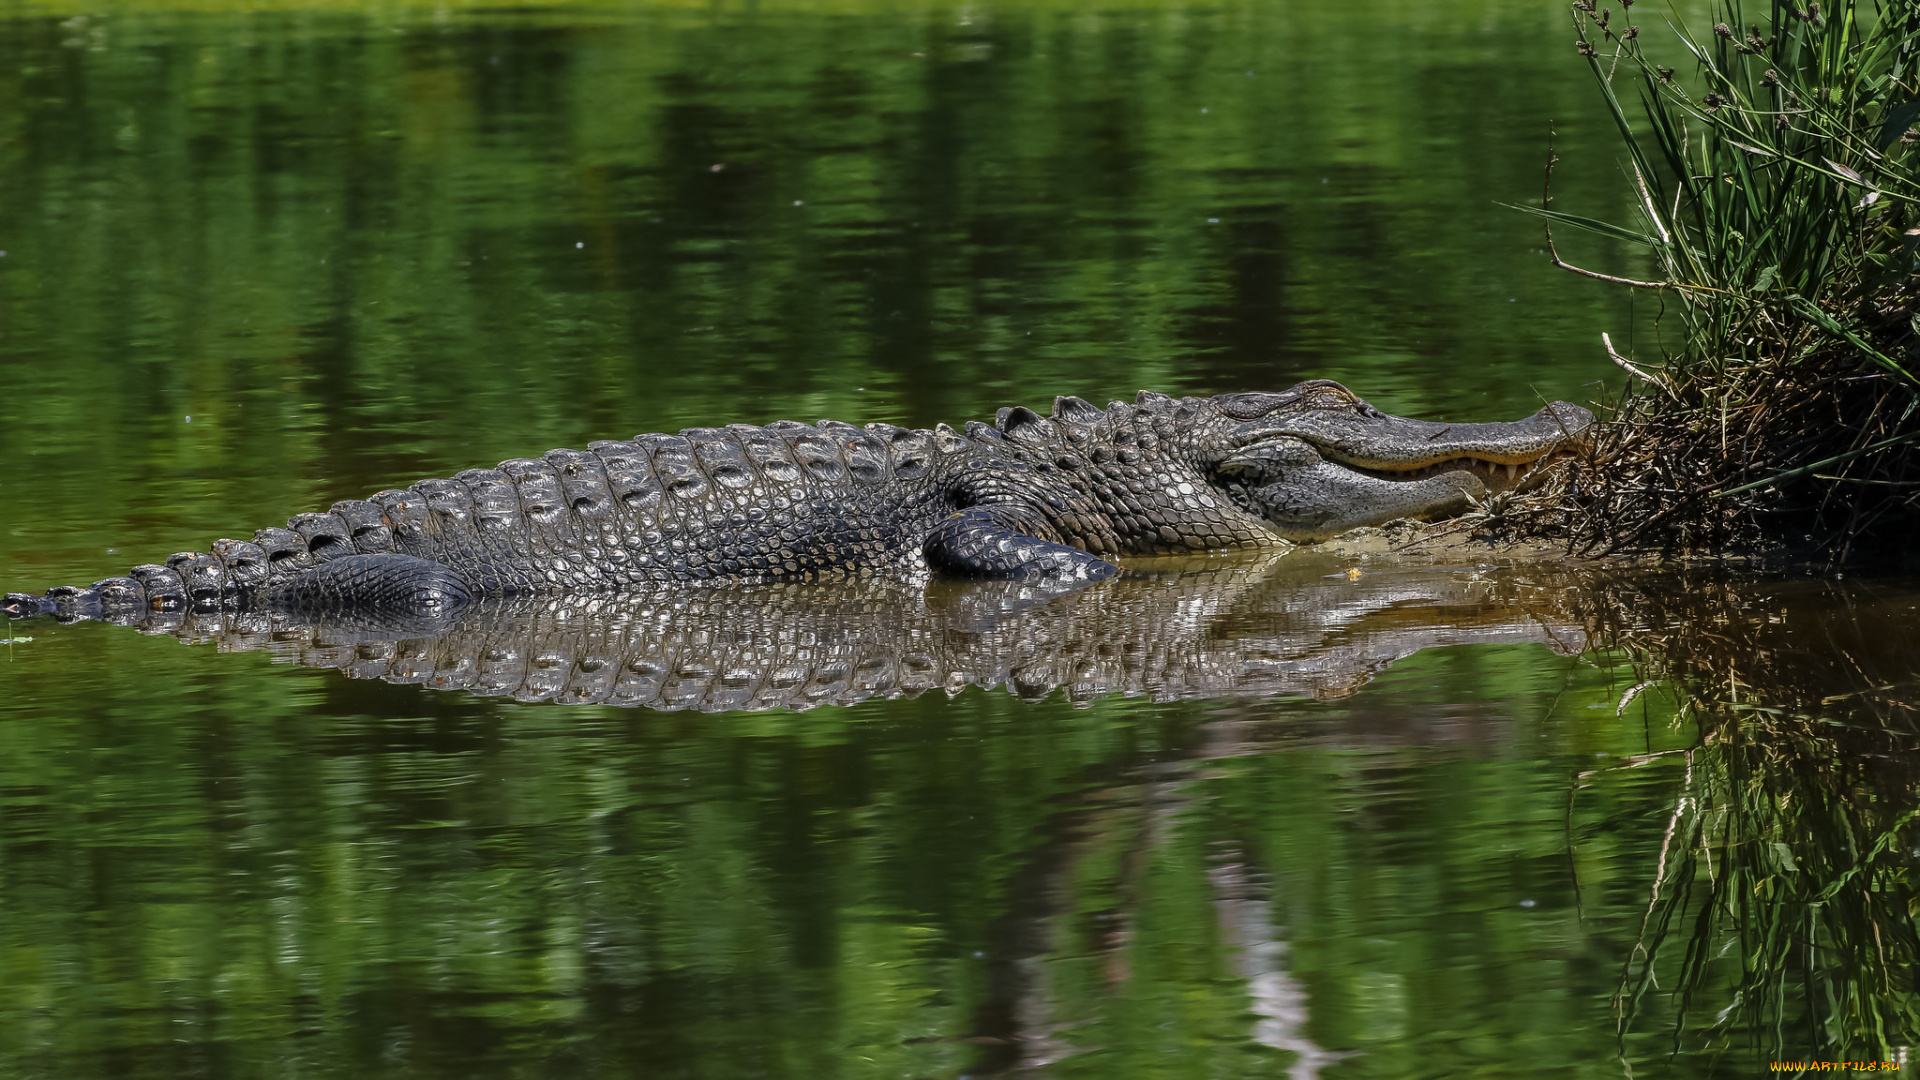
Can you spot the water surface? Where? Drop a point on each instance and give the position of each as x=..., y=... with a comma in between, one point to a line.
x=1224, y=821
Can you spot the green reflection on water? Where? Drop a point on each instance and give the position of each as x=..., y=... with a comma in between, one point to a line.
x=252, y=868
x=257, y=262
x=360, y=250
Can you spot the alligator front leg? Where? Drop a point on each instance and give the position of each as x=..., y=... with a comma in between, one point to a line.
x=1000, y=540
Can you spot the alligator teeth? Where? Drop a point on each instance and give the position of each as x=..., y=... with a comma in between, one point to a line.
x=1512, y=471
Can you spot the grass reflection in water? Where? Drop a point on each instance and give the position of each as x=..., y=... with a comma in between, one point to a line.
x=1780, y=918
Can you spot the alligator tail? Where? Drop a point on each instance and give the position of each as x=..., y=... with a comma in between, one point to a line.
x=232, y=571
x=340, y=558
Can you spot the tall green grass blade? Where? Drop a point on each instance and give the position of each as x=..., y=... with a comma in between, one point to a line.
x=1832, y=326
x=1592, y=225
x=1897, y=122
x=1808, y=470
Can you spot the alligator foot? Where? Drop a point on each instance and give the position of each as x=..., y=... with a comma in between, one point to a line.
x=993, y=542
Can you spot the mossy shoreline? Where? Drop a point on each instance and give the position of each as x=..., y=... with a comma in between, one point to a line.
x=1772, y=158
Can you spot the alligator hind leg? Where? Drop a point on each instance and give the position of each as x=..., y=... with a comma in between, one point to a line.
x=997, y=541
x=386, y=584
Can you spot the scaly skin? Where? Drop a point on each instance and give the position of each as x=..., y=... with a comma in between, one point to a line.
x=1029, y=498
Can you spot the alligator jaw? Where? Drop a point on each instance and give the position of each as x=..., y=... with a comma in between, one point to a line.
x=1311, y=502
x=1319, y=472
x=1493, y=476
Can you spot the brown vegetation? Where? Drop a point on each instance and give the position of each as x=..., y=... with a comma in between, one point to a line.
x=1776, y=189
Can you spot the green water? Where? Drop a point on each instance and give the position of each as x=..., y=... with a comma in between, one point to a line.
x=256, y=262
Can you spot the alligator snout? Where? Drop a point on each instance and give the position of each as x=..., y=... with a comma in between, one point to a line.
x=1397, y=444
x=1326, y=471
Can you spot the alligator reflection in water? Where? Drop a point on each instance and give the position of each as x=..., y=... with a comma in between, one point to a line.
x=1276, y=626
x=1781, y=901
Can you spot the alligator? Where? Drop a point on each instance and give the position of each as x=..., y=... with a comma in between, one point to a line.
x=1054, y=498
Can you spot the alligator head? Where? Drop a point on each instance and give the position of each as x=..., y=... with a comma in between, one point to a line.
x=1316, y=460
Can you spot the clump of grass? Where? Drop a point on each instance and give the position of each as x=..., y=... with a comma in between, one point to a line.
x=1773, y=163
